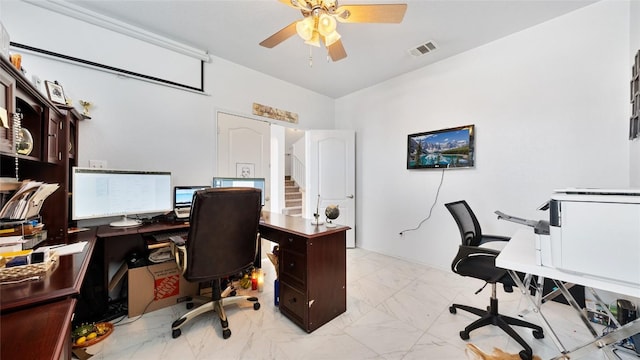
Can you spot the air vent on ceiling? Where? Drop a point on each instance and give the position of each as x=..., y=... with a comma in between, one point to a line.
x=422, y=49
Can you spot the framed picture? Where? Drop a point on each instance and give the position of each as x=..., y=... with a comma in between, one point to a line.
x=245, y=170
x=55, y=92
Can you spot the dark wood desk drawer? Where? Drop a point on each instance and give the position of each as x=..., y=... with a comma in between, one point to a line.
x=295, y=243
x=290, y=241
x=293, y=268
x=293, y=305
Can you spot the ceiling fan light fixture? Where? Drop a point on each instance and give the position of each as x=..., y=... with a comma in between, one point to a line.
x=319, y=23
x=314, y=40
x=326, y=24
x=331, y=38
x=305, y=28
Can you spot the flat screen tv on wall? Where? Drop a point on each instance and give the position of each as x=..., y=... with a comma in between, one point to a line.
x=444, y=148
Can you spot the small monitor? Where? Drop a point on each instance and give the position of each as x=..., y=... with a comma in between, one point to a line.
x=257, y=183
x=183, y=195
x=100, y=193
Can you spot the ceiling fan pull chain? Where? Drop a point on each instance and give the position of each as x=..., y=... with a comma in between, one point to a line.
x=310, y=56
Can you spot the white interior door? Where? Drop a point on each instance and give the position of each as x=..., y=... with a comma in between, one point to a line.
x=331, y=175
x=244, y=149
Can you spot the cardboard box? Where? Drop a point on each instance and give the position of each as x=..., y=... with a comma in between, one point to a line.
x=157, y=286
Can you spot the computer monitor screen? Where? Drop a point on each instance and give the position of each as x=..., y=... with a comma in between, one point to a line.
x=183, y=195
x=99, y=193
x=240, y=182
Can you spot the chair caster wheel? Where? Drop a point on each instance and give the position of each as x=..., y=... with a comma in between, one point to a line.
x=464, y=335
x=256, y=306
x=189, y=305
x=524, y=355
x=538, y=334
x=452, y=309
x=224, y=323
x=226, y=333
x=175, y=333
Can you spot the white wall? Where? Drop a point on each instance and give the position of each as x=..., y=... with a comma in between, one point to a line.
x=633, y=49
x=550, y=105
x=140, y=125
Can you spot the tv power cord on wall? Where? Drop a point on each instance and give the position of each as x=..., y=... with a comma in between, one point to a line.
x=430, y=210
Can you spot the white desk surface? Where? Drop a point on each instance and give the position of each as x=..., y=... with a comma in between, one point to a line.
x=519, y=255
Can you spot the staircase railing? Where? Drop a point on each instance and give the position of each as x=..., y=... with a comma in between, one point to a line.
x=297, y=164
x=297, y=172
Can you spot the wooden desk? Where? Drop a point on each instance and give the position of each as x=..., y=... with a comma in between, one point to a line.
x=64, y=281
x=42, y=332
x=312, y=268
x=36, y=315
x=519, y=255
x=312, y=263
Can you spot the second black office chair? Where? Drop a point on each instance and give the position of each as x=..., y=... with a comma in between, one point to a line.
x=479, y=262
x=222, y=241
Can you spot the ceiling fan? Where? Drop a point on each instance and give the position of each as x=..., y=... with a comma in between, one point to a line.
x=320, y=22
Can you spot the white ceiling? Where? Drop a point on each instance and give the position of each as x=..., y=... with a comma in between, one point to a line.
x=232, y=30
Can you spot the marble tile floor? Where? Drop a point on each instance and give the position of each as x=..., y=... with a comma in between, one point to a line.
x=395, y=310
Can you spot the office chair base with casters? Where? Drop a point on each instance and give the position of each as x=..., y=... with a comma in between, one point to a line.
x=220, y=300
x=490, y=316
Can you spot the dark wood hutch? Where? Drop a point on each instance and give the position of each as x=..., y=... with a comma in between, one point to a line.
x=54, y=128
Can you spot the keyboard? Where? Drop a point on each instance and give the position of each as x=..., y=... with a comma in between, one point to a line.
x=163, y=237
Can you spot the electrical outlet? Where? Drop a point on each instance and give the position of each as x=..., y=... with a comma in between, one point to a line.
x=100, y=164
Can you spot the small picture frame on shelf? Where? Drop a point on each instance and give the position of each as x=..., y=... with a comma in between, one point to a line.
x=55, y=92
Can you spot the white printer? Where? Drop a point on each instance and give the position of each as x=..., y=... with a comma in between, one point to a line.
x=594, y=232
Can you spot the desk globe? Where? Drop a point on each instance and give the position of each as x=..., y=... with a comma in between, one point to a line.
x=331, y=212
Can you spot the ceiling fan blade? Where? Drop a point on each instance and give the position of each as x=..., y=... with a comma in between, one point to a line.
x=374, y=13
x=296, y=4
x=336, y=51
x=282, y=35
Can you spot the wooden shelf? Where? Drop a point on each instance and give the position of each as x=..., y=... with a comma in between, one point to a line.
x=54, y=130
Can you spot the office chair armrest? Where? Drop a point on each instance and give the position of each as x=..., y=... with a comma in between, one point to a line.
x=469, y=251
x=179, y=251
x=492, y=238
x=474, y=261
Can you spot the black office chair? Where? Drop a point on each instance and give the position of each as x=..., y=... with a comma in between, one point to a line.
x=223, y=241
x=479, y=262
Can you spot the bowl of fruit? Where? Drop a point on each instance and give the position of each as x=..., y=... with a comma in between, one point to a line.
x=89, y=334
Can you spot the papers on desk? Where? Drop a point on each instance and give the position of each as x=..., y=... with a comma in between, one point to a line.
x=68, y=249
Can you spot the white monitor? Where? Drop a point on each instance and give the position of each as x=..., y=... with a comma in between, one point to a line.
x=257, y=183
x=100, y=193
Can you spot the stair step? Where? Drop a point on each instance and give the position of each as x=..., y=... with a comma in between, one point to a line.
x=293, y=210
x=293, y=195
x=290, y=203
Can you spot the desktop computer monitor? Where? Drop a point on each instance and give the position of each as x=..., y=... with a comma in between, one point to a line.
x=100, y=193
x=240, y=182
